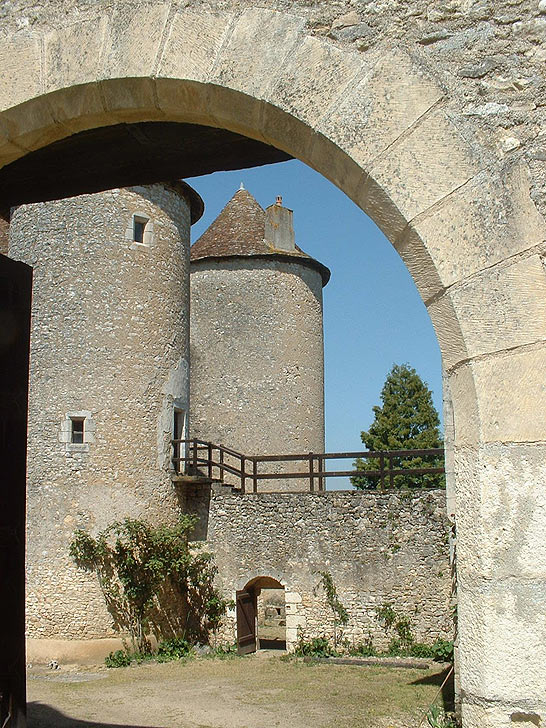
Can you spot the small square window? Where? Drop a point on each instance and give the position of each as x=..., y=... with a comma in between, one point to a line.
x=139, y=228
x=76, y=430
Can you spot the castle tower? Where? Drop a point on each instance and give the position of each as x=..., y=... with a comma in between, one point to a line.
x=257, y=356
x=109, y=380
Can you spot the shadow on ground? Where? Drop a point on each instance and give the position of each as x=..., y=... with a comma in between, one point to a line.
x=40, y=715
x=448, y=690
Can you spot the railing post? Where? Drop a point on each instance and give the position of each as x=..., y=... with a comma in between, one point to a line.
x=194, y=456
x=243, y=478
x=209, y=456
x=382, y=470
x=321, y=470
x=391, y=475
x=174, y=461
x=311, y=468
x=254, y=475
x=221, y=459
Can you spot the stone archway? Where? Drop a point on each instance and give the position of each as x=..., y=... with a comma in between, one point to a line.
x=381, y=127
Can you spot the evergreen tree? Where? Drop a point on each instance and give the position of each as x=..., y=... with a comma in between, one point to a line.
x=407, y=420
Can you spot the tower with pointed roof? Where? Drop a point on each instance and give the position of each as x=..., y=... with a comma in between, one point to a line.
x=256, y=336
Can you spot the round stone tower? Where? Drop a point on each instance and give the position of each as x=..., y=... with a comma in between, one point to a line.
x=257, y=355
x=109, y=381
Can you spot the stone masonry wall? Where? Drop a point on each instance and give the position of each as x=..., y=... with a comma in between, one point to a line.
x=379, y=548
x=109, y=342
x=257, y=358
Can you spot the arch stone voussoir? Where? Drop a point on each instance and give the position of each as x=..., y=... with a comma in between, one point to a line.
x=256, y=51
x=392, y=95
x=193, y=44
x=18, y=55
x=424, y=166
x=74, y=54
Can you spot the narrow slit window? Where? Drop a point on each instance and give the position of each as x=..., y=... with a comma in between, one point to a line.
x=76, y=432
x=139, y=228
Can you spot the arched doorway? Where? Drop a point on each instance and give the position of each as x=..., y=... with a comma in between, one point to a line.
x=261, y=615
x=464, y=224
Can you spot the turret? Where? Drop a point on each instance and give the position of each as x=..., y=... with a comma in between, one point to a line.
x=109, y=380
x=257, y=360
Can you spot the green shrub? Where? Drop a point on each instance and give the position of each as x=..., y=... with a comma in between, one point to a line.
x=174, y=649
x=442, y=650
x=316, y=647
x=224, y=652
x=119, y=658
x=363, y=649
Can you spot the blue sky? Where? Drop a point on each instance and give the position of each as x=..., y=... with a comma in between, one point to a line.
x=373, y=314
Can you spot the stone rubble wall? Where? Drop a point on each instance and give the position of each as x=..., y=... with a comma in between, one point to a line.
x=378, y=548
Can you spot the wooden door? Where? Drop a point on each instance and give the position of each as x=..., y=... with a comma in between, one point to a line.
x=246, y=621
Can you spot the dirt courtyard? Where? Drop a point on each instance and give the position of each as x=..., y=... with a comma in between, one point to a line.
x=256, y=691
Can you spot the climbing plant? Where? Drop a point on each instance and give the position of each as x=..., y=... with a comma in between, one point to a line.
x=152, y=580
x=340, y=614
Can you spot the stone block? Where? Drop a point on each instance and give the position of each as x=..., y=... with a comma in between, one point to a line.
x=20, y=69
x=501, y=511
x=292, y=598
x=511, y=393
x=260, y=44
x=424, y=166
x=293, y=621
x=9, y=152
x=79, y=108
x=480, y=224
x=131, y=99
x=31, y=125
x=502, y=630
x=134, y=39
x=500, y=308
x=448, y=330
x=466, y=416
x=386, y=102
x=74, y=54
x=186, y=101
x=314, y=78
x=192, y=45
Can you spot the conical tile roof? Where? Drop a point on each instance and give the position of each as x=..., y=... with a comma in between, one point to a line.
x=239, y=230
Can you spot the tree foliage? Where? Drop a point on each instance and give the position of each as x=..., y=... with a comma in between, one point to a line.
x=406, y=420
x=152, y=581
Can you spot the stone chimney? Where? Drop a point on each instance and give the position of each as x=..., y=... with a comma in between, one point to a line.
x=279, y=227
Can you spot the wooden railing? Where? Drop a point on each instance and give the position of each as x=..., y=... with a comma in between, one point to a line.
x=198, y=457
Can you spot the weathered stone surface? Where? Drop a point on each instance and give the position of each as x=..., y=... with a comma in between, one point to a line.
x=347, y=20
x=257, y=358
x=381, y=107
x=504, y=410
x=424, y=166
x=478, y=70
x=64, y=68
x=18, y=55
x=301, y=91
x=135, y=39
x=480, y=224
x=503, y=307
x=258, y=47
x=193, y=42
